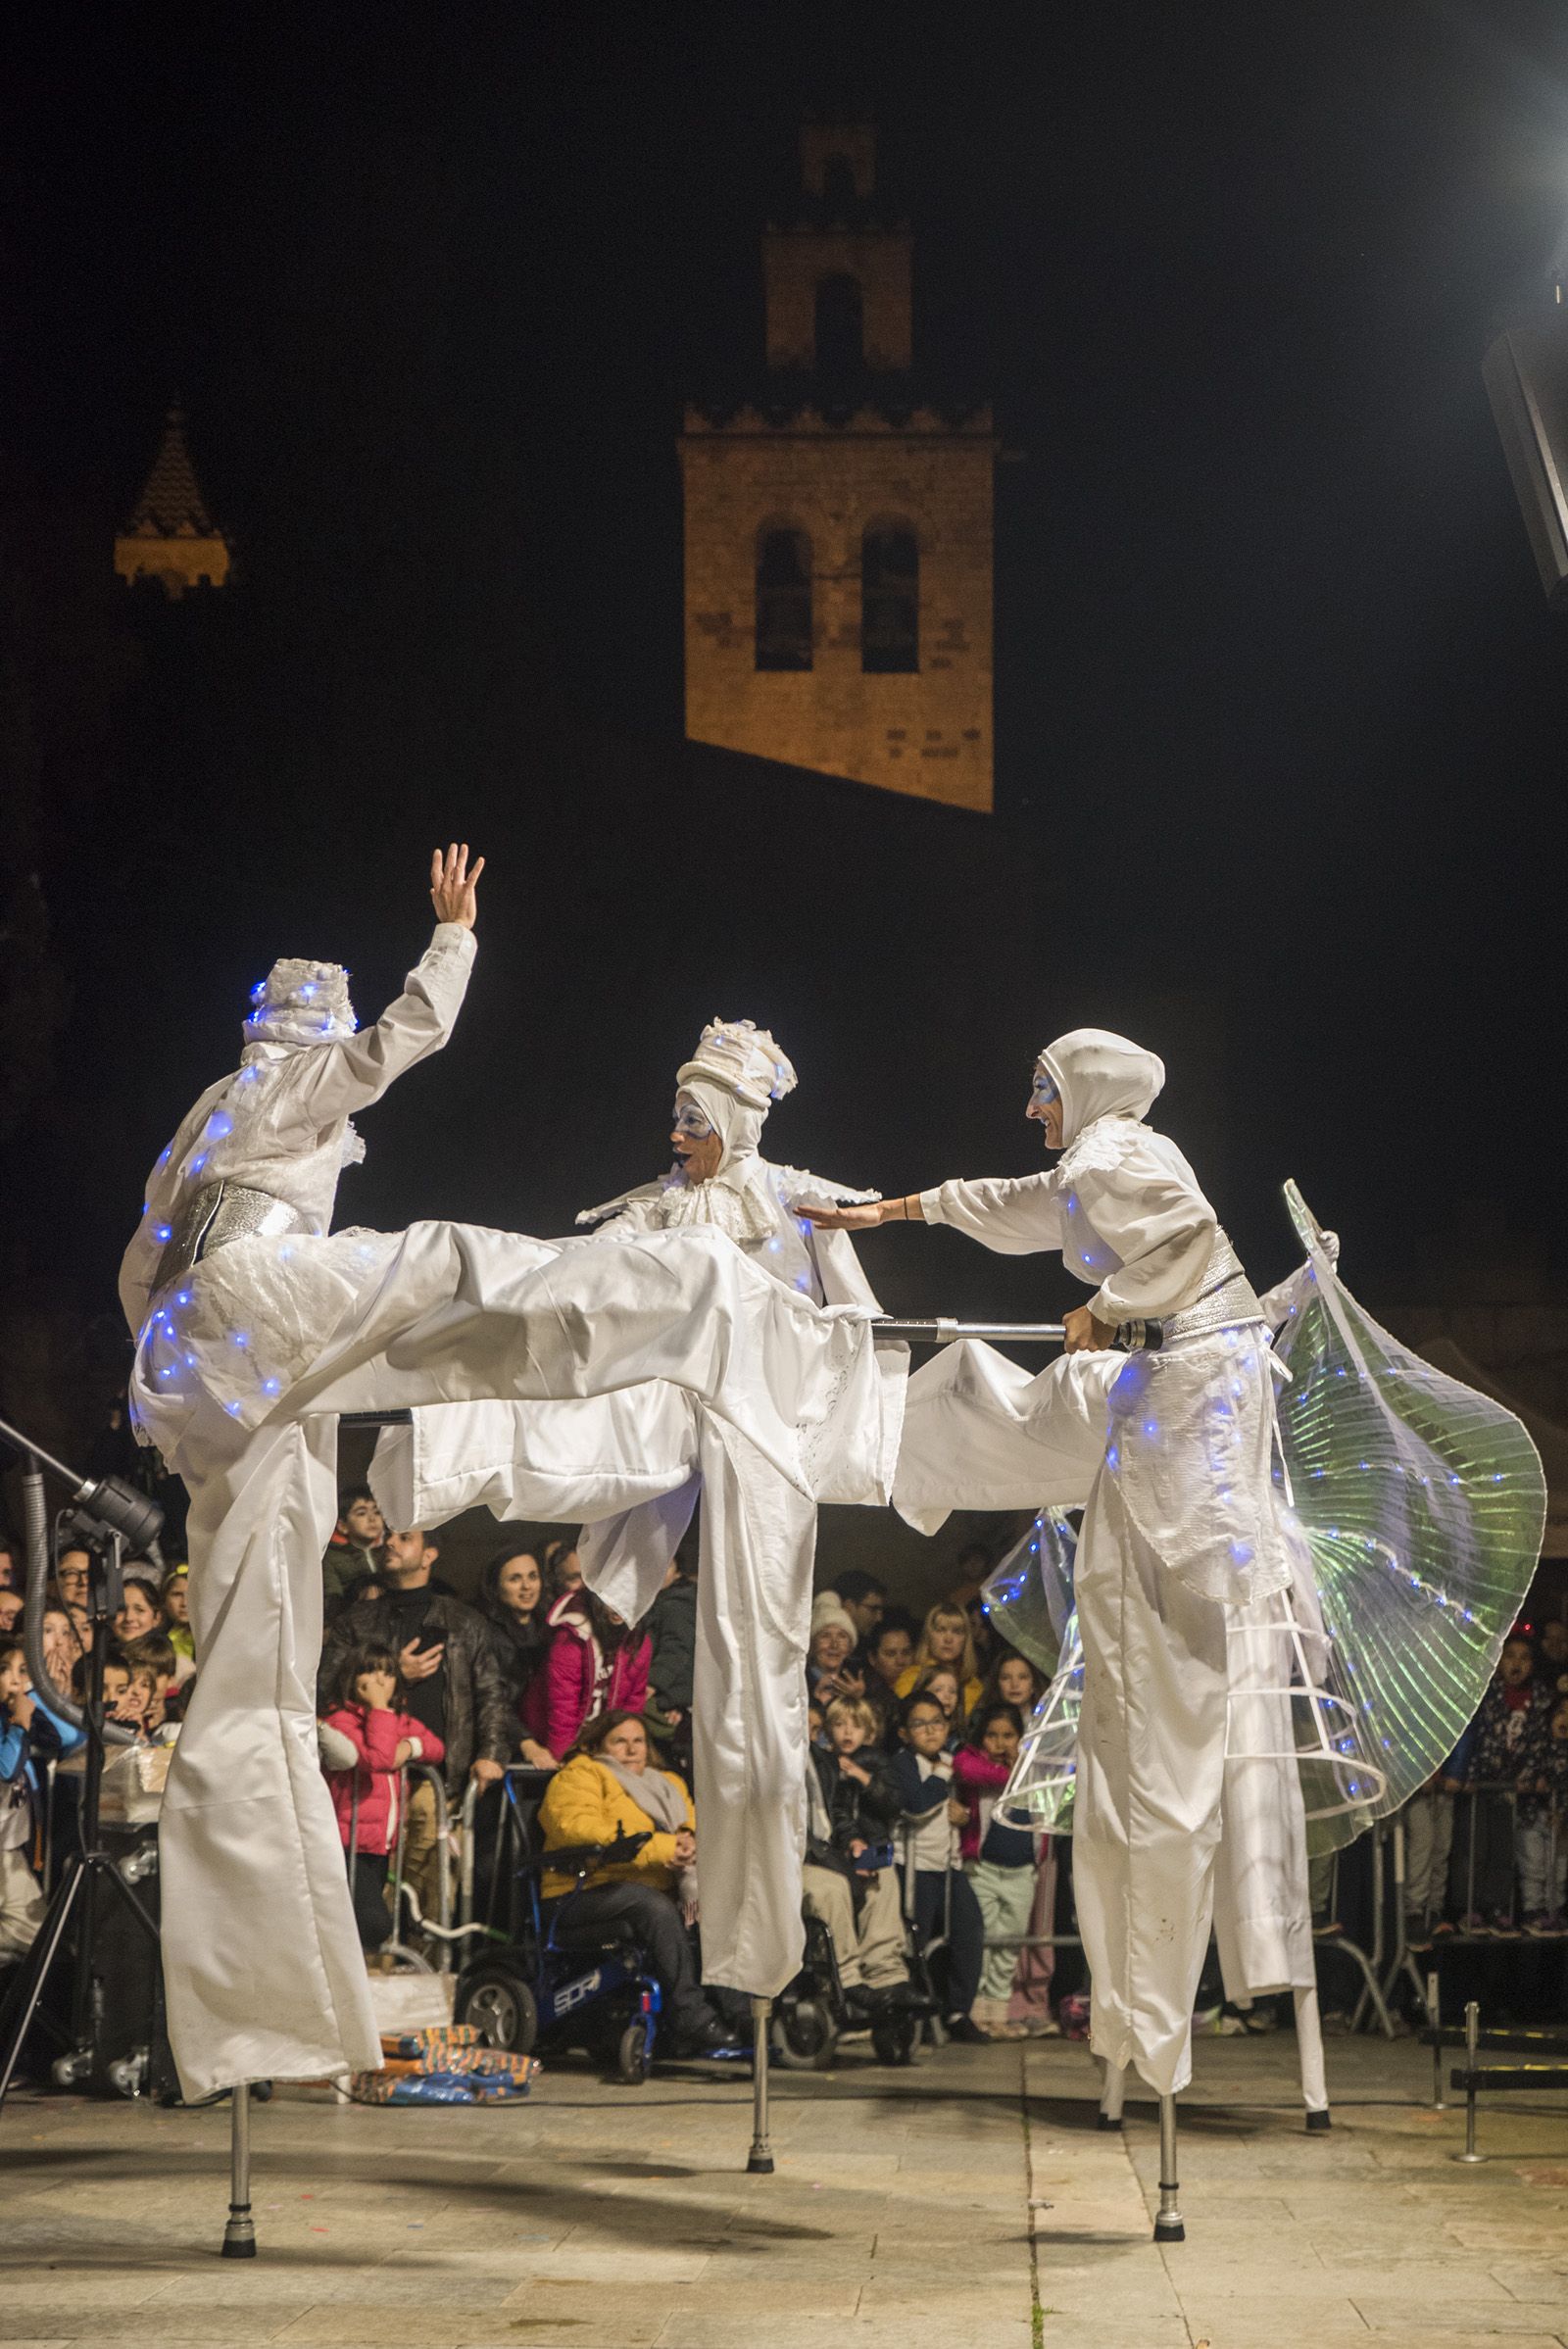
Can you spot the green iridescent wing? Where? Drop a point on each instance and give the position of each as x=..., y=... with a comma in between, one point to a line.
x=1423, y=1504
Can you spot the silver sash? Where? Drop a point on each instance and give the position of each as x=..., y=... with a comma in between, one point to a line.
x=1225, y=1297
x=213, y=1215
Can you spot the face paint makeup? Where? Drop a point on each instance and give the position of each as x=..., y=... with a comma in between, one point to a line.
x=689, y=1119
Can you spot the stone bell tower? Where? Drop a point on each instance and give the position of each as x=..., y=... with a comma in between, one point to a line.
x=171, y=537
x=838, y=518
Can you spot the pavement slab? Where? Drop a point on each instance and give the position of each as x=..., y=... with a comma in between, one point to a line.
x=969, y=2196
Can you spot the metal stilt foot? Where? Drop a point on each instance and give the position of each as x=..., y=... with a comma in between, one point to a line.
x=1472, y=2052
x=760, y=2161
x=1168, y=2227
x=239, y=2235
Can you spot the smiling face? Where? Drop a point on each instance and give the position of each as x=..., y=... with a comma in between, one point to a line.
x=519, y=1583
x=10, y=1610
x=831, y=1644
x=138, y=1616
x=1045, y=1107
x=698, y=1148
x=627, y=1744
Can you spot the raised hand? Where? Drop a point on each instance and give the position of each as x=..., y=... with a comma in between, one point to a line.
x=452, y=884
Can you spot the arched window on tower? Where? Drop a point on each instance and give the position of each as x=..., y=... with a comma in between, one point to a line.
x=838, y=184
x=783, y=598
x=890, y=600
x=840, y=326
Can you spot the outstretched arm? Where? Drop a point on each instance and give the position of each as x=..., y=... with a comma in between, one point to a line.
x=337, y=1079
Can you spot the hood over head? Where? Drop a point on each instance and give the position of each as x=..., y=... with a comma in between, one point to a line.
x=737, y=1124
x=1098, y=1074
x=301, y=1003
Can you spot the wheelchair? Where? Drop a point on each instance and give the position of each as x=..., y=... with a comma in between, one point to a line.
x=813, y=2013
x=562, y=1986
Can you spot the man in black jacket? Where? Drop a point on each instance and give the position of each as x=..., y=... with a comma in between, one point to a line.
x=453, y=1682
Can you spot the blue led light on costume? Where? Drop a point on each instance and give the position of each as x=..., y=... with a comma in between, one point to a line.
x=270, y=1385
x=308, y=991
x=773, y=1247
x=160, y=1231
x=233, y=1410
x=1151, y=1427
x=241, y=1339
x=182, y=1298
x=1112, y=1456
x=197, y=1164
x=218, y=1125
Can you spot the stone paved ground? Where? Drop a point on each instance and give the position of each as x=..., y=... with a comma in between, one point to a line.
x=930, y=2205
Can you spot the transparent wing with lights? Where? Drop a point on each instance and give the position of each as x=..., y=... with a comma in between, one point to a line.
x=1422, y=1503
x=1029, y=1599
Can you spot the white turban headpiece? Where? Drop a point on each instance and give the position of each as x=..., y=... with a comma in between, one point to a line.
x=301, y=1003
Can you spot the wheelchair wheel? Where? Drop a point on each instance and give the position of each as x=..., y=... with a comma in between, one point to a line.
x=894, y=2040
x=497, y=2001
x=633, y=2055
x=804, y=2037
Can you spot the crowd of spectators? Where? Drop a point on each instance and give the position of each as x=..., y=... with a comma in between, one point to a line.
x=931, y=1900
x=1487, y=1837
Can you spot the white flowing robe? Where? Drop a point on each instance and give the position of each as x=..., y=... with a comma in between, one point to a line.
x=241, y=1367
x=654, y=1455
x=1168, y=1456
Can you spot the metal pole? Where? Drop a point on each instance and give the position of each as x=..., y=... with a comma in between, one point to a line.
x=1472, y=2048
x=1168, y=2227
x=760, y=2161
x=1434, y=1995
x=239, y=2235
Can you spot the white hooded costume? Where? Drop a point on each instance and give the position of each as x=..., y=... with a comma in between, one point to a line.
x=1169, y=1455
x=759, y=1537
x=256, y=1325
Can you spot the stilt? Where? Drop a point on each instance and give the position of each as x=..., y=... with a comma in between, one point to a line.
x=239, y=2235
x=1309, y=2055
x=1113, y=2096
x=1472, y=2052
x=1168, y=2227
x=760, y=2161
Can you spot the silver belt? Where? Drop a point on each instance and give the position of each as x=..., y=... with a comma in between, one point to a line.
x=214, y=1215
x=1225, y=1297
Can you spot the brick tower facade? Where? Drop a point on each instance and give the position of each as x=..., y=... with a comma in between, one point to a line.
x=838, y=520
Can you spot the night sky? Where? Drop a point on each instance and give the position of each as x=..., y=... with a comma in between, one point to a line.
x=1281, y=715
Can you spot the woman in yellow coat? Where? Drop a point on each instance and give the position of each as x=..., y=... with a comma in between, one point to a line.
x=608, y=1787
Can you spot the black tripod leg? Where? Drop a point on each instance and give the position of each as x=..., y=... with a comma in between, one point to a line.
x=28, y=1989
x=131, y=1899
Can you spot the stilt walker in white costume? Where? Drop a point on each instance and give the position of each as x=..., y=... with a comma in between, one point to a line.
x=757, y=1539
x=1169, y=1456
x=255, y=1326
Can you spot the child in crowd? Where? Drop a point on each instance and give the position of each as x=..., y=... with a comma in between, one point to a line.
x=944, y=1640
x=999, y=1860
x=21, y=1901
x=176, y=1615
x=1012, y=1680
x=941, y=1683
x=364, y=1712
x=154, y=1653
x=922, y=1774
x=10, y=1605
x=596, y=1663
x=850, y=1881
x=1543, y=1831
x=1508, y=1753
x=139, y=1613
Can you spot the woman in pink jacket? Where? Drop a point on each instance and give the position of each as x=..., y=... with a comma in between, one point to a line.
x=367, y=1797
x=594, y=1663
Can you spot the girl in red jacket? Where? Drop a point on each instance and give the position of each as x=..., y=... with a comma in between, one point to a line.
x=596, y=1663
x=367, y=1797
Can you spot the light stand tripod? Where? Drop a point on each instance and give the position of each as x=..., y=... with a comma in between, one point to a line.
x=106, y=1513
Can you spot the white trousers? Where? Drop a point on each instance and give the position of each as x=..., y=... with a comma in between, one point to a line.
x=980, y=1432
x=651, y=1453
x=261, y=1962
